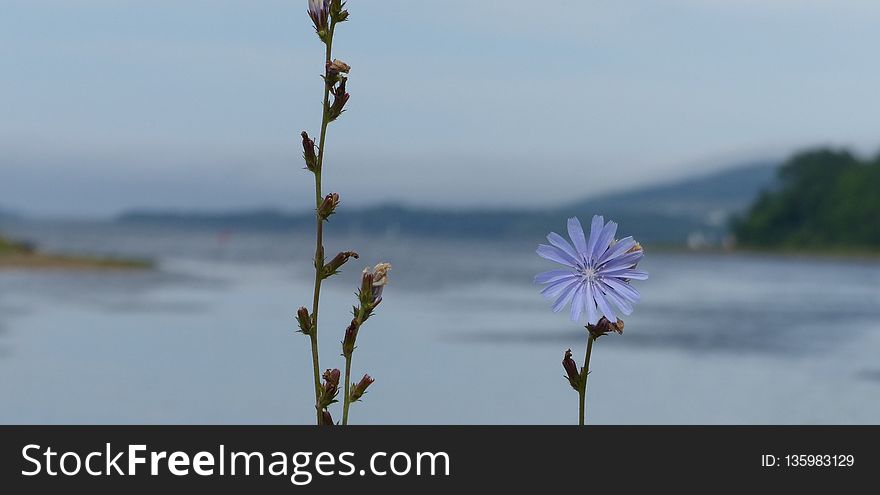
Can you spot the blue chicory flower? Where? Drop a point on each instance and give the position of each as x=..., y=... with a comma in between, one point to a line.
x=598, y=271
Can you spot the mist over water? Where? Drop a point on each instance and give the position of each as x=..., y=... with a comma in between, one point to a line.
x=462, y=335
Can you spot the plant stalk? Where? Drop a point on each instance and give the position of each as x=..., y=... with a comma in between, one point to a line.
x=585, y=371
x=319, y=238
x=346, y=402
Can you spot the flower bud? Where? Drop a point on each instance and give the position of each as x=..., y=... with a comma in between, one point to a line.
x=327, y=419
x=309, y=152
x=332, y=71
x=366, y=292
x=340, y=98
x=380, y=279
x=604, y=326
x=331, y=378
x=574, y=378
x=337, y=11
x=304, y=320
x=328, y=206
x=332, y=267
x=361, y=388
x=330, y=388
x=373, y=281
x=350, y=338
x=319, y=11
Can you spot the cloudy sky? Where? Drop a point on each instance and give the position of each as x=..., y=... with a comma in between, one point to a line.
x=113, y=104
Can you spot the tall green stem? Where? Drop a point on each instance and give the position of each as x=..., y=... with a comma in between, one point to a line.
x=319, y=239
x=346, y=402
x=585, y=371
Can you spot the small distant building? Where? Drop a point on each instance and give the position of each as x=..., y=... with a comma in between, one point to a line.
x=697, y=241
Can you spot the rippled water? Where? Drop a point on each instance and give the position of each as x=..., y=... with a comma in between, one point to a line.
x=462, y=337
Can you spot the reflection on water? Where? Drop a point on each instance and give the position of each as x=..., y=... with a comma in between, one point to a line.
x=462, y=337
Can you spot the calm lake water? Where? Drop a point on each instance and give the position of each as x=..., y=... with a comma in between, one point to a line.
x=462, y=336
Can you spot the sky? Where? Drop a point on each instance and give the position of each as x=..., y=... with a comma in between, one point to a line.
x=108, y=105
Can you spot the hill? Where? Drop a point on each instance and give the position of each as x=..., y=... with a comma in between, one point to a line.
x=827, y=199
x=666, y=213
x=673, y=211
x=707, y=198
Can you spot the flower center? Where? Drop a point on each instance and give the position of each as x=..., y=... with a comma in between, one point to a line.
x=588, y=273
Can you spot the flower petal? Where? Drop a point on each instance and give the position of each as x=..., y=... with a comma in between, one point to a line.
x=592, y=314
x=605, y=238
x=560, y=242
x=625, y=273
x=618, y=300
x=599, y=296
x=553, y=253
x=627, y=291
x=595, y=232
x=552, y=276
x=565, y=296
x=626, y=261
x=554, y=288
x=576, y=232
x=618, y=248
x=577, y=303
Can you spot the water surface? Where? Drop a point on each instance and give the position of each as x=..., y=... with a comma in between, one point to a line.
x=462, y=336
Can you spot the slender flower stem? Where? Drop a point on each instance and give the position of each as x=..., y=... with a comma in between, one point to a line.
x=585, y=371
x=319, y=239
x=346, y=402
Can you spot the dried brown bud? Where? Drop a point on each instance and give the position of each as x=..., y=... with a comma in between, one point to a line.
x=331, y=377
x=574, y=378
x=604, y=326
x=337, y=66
x=309, y=152
x=327, y=419
x=380, y=279
x=340, y=98
x=637, y=247
x=304, y=320
x=348, y=342
x=361, y=388
x=380, y=274
x=330, y=388
x=332, y=267
x=328, y=206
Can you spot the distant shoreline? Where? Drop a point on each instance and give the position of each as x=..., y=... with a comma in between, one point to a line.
x=64, y=262
x=22, y=256
x=786, y=253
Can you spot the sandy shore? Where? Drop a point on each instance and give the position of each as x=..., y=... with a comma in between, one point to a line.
x=38, y=261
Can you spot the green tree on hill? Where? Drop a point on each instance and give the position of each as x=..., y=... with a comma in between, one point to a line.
x=826, y=199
